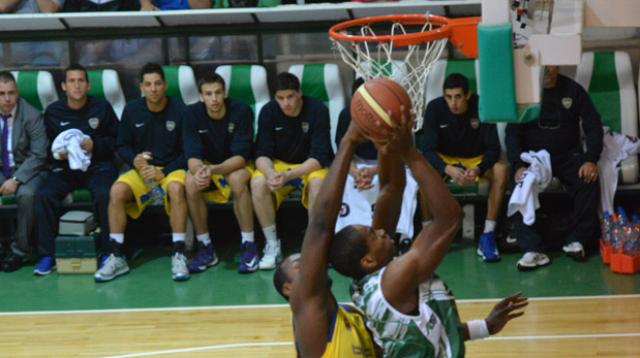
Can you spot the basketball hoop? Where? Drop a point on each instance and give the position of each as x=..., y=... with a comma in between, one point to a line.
x=403, y=48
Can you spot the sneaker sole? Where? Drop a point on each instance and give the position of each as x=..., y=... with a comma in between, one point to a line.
x=111, y=278
x=522, y=268
x=43, y=273
x=248, y=269
x=203, y=268
x=180, y=278
x=496, y=259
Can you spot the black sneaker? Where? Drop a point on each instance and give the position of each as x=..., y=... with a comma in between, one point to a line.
x=12, y=262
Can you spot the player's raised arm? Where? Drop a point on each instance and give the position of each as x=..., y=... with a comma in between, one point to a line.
x=403, y=275
x=310, y=293
x=392, y=182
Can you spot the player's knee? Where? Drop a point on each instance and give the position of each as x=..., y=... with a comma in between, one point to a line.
x=314, y=185
x=500, y=172
x=258, y=185
x=176, y=192
x=120, y=193
x=190, y=185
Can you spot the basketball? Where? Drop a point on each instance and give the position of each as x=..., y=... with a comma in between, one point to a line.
x=374, y=101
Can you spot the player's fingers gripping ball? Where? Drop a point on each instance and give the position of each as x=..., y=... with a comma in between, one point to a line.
x=377, y=107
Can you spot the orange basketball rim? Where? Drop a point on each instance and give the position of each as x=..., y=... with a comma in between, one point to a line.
x=462, y=32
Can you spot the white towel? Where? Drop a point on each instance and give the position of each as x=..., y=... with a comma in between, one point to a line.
x=616, y=148
x=357, y=206
x=534, y=180
x=69, y=141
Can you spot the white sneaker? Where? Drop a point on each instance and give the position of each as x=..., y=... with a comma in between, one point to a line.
x=575, y=250
x=113, y=267
x=271, y=256
x=532, y=260
x=179, y=270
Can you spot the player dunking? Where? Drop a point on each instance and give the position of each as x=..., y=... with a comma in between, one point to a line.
x=322, y=327
x=409, y=310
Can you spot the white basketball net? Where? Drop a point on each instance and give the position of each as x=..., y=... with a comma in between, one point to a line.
x=407, y=65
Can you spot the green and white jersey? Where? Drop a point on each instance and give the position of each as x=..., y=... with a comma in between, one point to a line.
x=433, y=332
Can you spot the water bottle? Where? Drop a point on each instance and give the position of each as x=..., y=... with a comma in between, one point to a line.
x=605, y=226
x=622, y=215
x=155, y=194
x=616, y=233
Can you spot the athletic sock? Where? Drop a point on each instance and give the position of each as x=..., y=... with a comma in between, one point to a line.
x=119, y=238
x=489, y=225
x=270, y=234
x=205, y=239
x=247, y=237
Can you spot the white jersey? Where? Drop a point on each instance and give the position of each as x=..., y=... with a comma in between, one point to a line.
x=358, y=206
x=433, y=332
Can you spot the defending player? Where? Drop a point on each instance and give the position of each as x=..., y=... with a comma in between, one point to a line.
x=322, y=327
x=217, y=143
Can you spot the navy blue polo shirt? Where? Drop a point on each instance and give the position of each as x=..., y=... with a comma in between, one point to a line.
x=157, y=132
x=458, y=135
x=294, y=140
x=216, y=140
x=95, y=119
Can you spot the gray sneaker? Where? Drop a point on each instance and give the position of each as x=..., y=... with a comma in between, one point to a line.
x=113, y=267
x=179, y=270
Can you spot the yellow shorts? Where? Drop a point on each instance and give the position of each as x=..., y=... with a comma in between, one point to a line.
x=222, y=191
x=467, y=163
x=135, y=208
x=297, y=183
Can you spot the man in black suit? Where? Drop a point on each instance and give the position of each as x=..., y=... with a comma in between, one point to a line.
x=23, y=145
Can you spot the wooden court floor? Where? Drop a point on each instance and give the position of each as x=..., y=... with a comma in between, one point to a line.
x=589, y=326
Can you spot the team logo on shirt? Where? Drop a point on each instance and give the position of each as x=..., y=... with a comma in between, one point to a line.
x=171, y=125
x=567, y=102
x=231, y=127
x=475, y=123
x=344, y=210
x=305, y=127
x=94, y=122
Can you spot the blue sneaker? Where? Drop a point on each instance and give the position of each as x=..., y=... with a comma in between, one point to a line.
x=248, y=258
x=205, y=258
x=487, y=247
x=45, y=265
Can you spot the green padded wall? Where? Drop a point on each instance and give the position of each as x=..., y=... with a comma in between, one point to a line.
x=240, y=85
x=497, y=86
x=96, y=88
x=171, y=75
x=312, y=75
x=604, y=89
x=28, y=86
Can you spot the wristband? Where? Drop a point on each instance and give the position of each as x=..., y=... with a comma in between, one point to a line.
x=478, y=329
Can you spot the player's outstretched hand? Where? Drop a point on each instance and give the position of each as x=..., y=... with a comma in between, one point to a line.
x=504, y=311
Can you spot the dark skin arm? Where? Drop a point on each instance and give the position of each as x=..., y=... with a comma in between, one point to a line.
x=392, y=182
x=311, y=302
x=503, y=312
x=403, y=275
